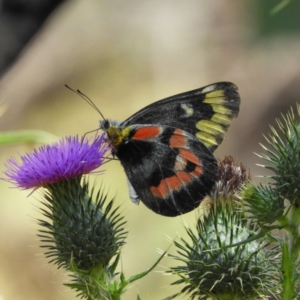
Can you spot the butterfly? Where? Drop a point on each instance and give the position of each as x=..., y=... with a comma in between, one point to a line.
x=166, y=148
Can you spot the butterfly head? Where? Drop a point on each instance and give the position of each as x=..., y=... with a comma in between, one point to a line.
x=116, y=134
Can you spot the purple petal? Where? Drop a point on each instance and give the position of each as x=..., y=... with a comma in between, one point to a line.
x=68, y=158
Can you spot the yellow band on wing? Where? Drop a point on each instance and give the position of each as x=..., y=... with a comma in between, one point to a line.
x=207, y=139
x=210, y=127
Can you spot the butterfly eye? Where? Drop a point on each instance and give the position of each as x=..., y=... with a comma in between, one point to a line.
x=105, y=124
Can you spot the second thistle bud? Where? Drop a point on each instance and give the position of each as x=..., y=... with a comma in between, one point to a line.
x=217, y=262
x=213, y=268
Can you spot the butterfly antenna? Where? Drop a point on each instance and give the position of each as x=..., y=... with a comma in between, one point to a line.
x=86, y=99
x=95, y=130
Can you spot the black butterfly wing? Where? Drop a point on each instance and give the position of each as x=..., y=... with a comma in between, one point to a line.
x=205, y=113
x=170, y=170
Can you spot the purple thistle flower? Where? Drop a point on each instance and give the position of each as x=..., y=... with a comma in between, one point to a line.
x=68, y=158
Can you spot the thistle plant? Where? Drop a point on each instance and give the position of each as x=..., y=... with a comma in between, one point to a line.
x=282, y=157
x=83, y=232
x=246, y=242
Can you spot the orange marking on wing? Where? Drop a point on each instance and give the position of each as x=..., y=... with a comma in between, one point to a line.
x=147, y=133
x=189, y=155
x=160, y=191
x=173, y=182
x=177, y=141
x=197, y=172
x=165, y=186
x=184, y=177
x=170, y=184
x=178, y=131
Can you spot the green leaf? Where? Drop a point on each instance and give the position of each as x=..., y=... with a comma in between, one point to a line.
x=141, y=275
x=280, y=6
x=26, y=136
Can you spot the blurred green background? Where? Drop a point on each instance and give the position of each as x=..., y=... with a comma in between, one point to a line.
x=125, y=55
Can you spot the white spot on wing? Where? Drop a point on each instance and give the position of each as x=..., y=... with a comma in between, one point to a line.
x=208, y=89
x=188, y=109
x=132, y=193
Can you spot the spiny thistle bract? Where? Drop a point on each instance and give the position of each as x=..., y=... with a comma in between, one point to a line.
x=262, y=203
x=80, y=230
x=284, y=157
x=213, y=268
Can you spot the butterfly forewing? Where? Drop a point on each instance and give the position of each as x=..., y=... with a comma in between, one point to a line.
x=206, y=112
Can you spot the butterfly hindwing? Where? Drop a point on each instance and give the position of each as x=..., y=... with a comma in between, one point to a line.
x=170, y=170
x=205, y=113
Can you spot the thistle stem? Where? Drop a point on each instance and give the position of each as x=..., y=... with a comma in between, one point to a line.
x=290, y=254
